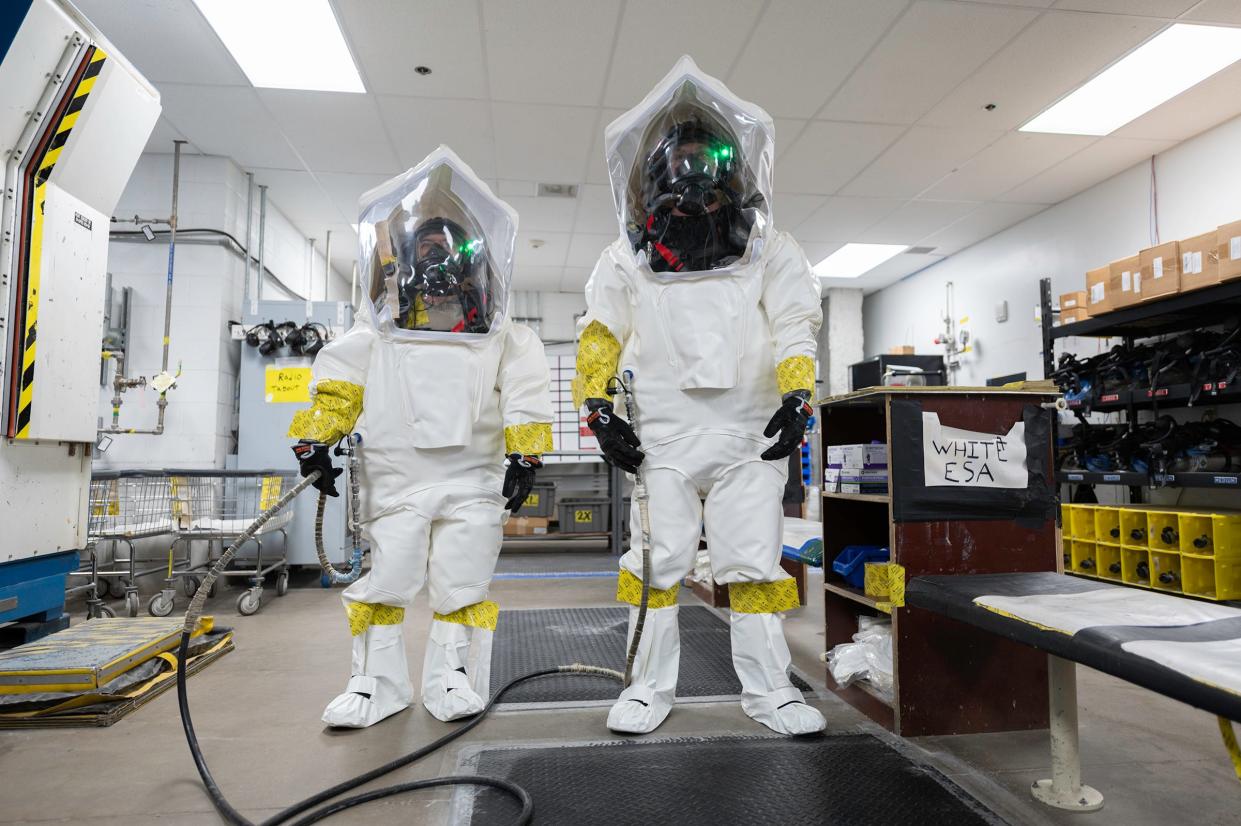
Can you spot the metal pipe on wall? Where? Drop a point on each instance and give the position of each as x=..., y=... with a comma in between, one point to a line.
x=258, y=291
x=327, y=263
x=245, y=295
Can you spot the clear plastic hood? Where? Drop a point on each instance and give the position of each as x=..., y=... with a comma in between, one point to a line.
x=690, y=168
x=436, y=252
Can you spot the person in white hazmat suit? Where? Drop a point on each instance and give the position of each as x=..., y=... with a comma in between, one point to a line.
x=716, y=314
x=440, y=386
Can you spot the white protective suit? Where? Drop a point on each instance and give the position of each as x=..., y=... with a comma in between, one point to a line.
x=705, y=348
x=439, y=411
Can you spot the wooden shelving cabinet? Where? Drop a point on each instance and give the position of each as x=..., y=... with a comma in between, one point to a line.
x=949, y=678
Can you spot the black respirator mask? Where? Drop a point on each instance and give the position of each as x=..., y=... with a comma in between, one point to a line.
x=448, y=269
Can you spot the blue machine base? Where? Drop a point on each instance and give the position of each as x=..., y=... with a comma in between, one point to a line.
x=33, y=590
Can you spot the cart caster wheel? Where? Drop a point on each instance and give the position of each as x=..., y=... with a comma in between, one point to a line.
x=249, y=602
x=160, y=604
x=131, y=604
x=325, y=581
x=104, y=589
x=105, y=612
x=282, y=584
x=190, y=585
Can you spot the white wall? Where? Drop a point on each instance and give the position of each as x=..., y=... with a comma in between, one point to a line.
x=841, y=341
x=207, y=290
x=1199, y=183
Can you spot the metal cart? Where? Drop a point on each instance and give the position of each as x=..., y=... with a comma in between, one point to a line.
x=217, y=506
x=125, y=505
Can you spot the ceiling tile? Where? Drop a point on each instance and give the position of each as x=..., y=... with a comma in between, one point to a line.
x=1096, y=163
x=1211, y=102
x=828, y=155
x=787, y=133
x=842, y=219
x=984, y=222
x=381, y=34
x=597, y=168
x=597, y=212
x=229, y=121
x=1055, y=55
x=802, y=50
x=541, y=249
x=543, y=214
x=542, y=143
x=921, y=157
x=162, y=136
x=1216, y=11
x=791, y=209
x=1159, y=8
x=574, y=279
x=584, y=250
x=915, y=221
x=930, y=50
x=549, y=51
x=654, y=33
x=346, y=188
x=1013, y=159
x=417, y=126
x=333, y=132
x=531, y=278
x=1033, y=4
x=168, y=41
x=889, y=272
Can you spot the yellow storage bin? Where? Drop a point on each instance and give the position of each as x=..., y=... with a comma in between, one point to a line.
x=1226, y=534
x=1107, y=557
x=1197, y=533
x=1081, y=522
x=1163, y=531
x=1107, y=525
x=1132, y=528
x=1135, y=566
x=1211, y=577
x=1166, y=571
x=1083, y=558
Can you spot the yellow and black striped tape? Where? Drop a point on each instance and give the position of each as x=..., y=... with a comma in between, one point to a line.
x=94, y=60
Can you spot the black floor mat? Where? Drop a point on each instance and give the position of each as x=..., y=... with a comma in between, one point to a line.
x=526, y=641
x=845, y=779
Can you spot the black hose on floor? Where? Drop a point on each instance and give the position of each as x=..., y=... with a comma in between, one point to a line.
x=230, y=814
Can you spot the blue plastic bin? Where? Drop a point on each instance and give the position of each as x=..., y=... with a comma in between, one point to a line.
x=851, y=562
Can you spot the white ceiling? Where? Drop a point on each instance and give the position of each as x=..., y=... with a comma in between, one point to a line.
x=881, y=128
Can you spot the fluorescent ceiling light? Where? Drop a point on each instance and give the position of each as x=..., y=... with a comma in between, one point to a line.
x=1177, y=58
x=853, y=260
x=285, y=44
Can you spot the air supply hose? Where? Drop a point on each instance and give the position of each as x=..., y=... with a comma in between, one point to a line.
x=324, y=804
x=625, y=384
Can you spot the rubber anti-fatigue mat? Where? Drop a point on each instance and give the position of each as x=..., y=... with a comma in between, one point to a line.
x=526, y=641
x=846, y=779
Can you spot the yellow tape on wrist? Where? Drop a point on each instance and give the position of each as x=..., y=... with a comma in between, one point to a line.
x=795, y=373
x=530, y=439
x=332, y=414
x=598, y=353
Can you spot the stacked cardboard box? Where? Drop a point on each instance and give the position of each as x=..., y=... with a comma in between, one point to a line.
x=856, y=469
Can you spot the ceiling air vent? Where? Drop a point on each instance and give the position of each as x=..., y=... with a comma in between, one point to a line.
x=920, y=250
x=557, y=190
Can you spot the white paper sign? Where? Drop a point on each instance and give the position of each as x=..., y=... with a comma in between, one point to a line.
x=1097, y=292
x=1157, y=266
x=1234, y=247
x=952, y=457
x=1126, y=281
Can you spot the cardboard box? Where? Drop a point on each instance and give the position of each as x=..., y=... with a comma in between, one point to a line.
x=859, y=456
x=1200, y=261
x=1098, y=293
x=855, y=480
x=1125, y=274
x=1074, y=301
x=525, y=525
x=1230, y=251
x=1073, y=316
x=902, y=350
x=1161, y=271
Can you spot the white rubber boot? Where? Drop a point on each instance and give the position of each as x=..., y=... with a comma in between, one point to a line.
x=645, y=704
x=761, y=658
x=452, y=687
x=380, y=685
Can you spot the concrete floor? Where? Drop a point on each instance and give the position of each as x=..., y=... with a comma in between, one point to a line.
x=257, y=713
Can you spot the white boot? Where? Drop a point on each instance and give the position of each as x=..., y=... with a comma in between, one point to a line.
x=452, y=686
x=645, y=704
x=761, y=658
x=380, y=685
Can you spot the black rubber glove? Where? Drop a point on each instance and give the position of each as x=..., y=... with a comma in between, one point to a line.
x=616, y=438
x=790, y=422
x=312, y=456
x=519, y=479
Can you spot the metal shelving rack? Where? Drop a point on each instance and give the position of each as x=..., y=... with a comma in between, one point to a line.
x=1185, y=311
